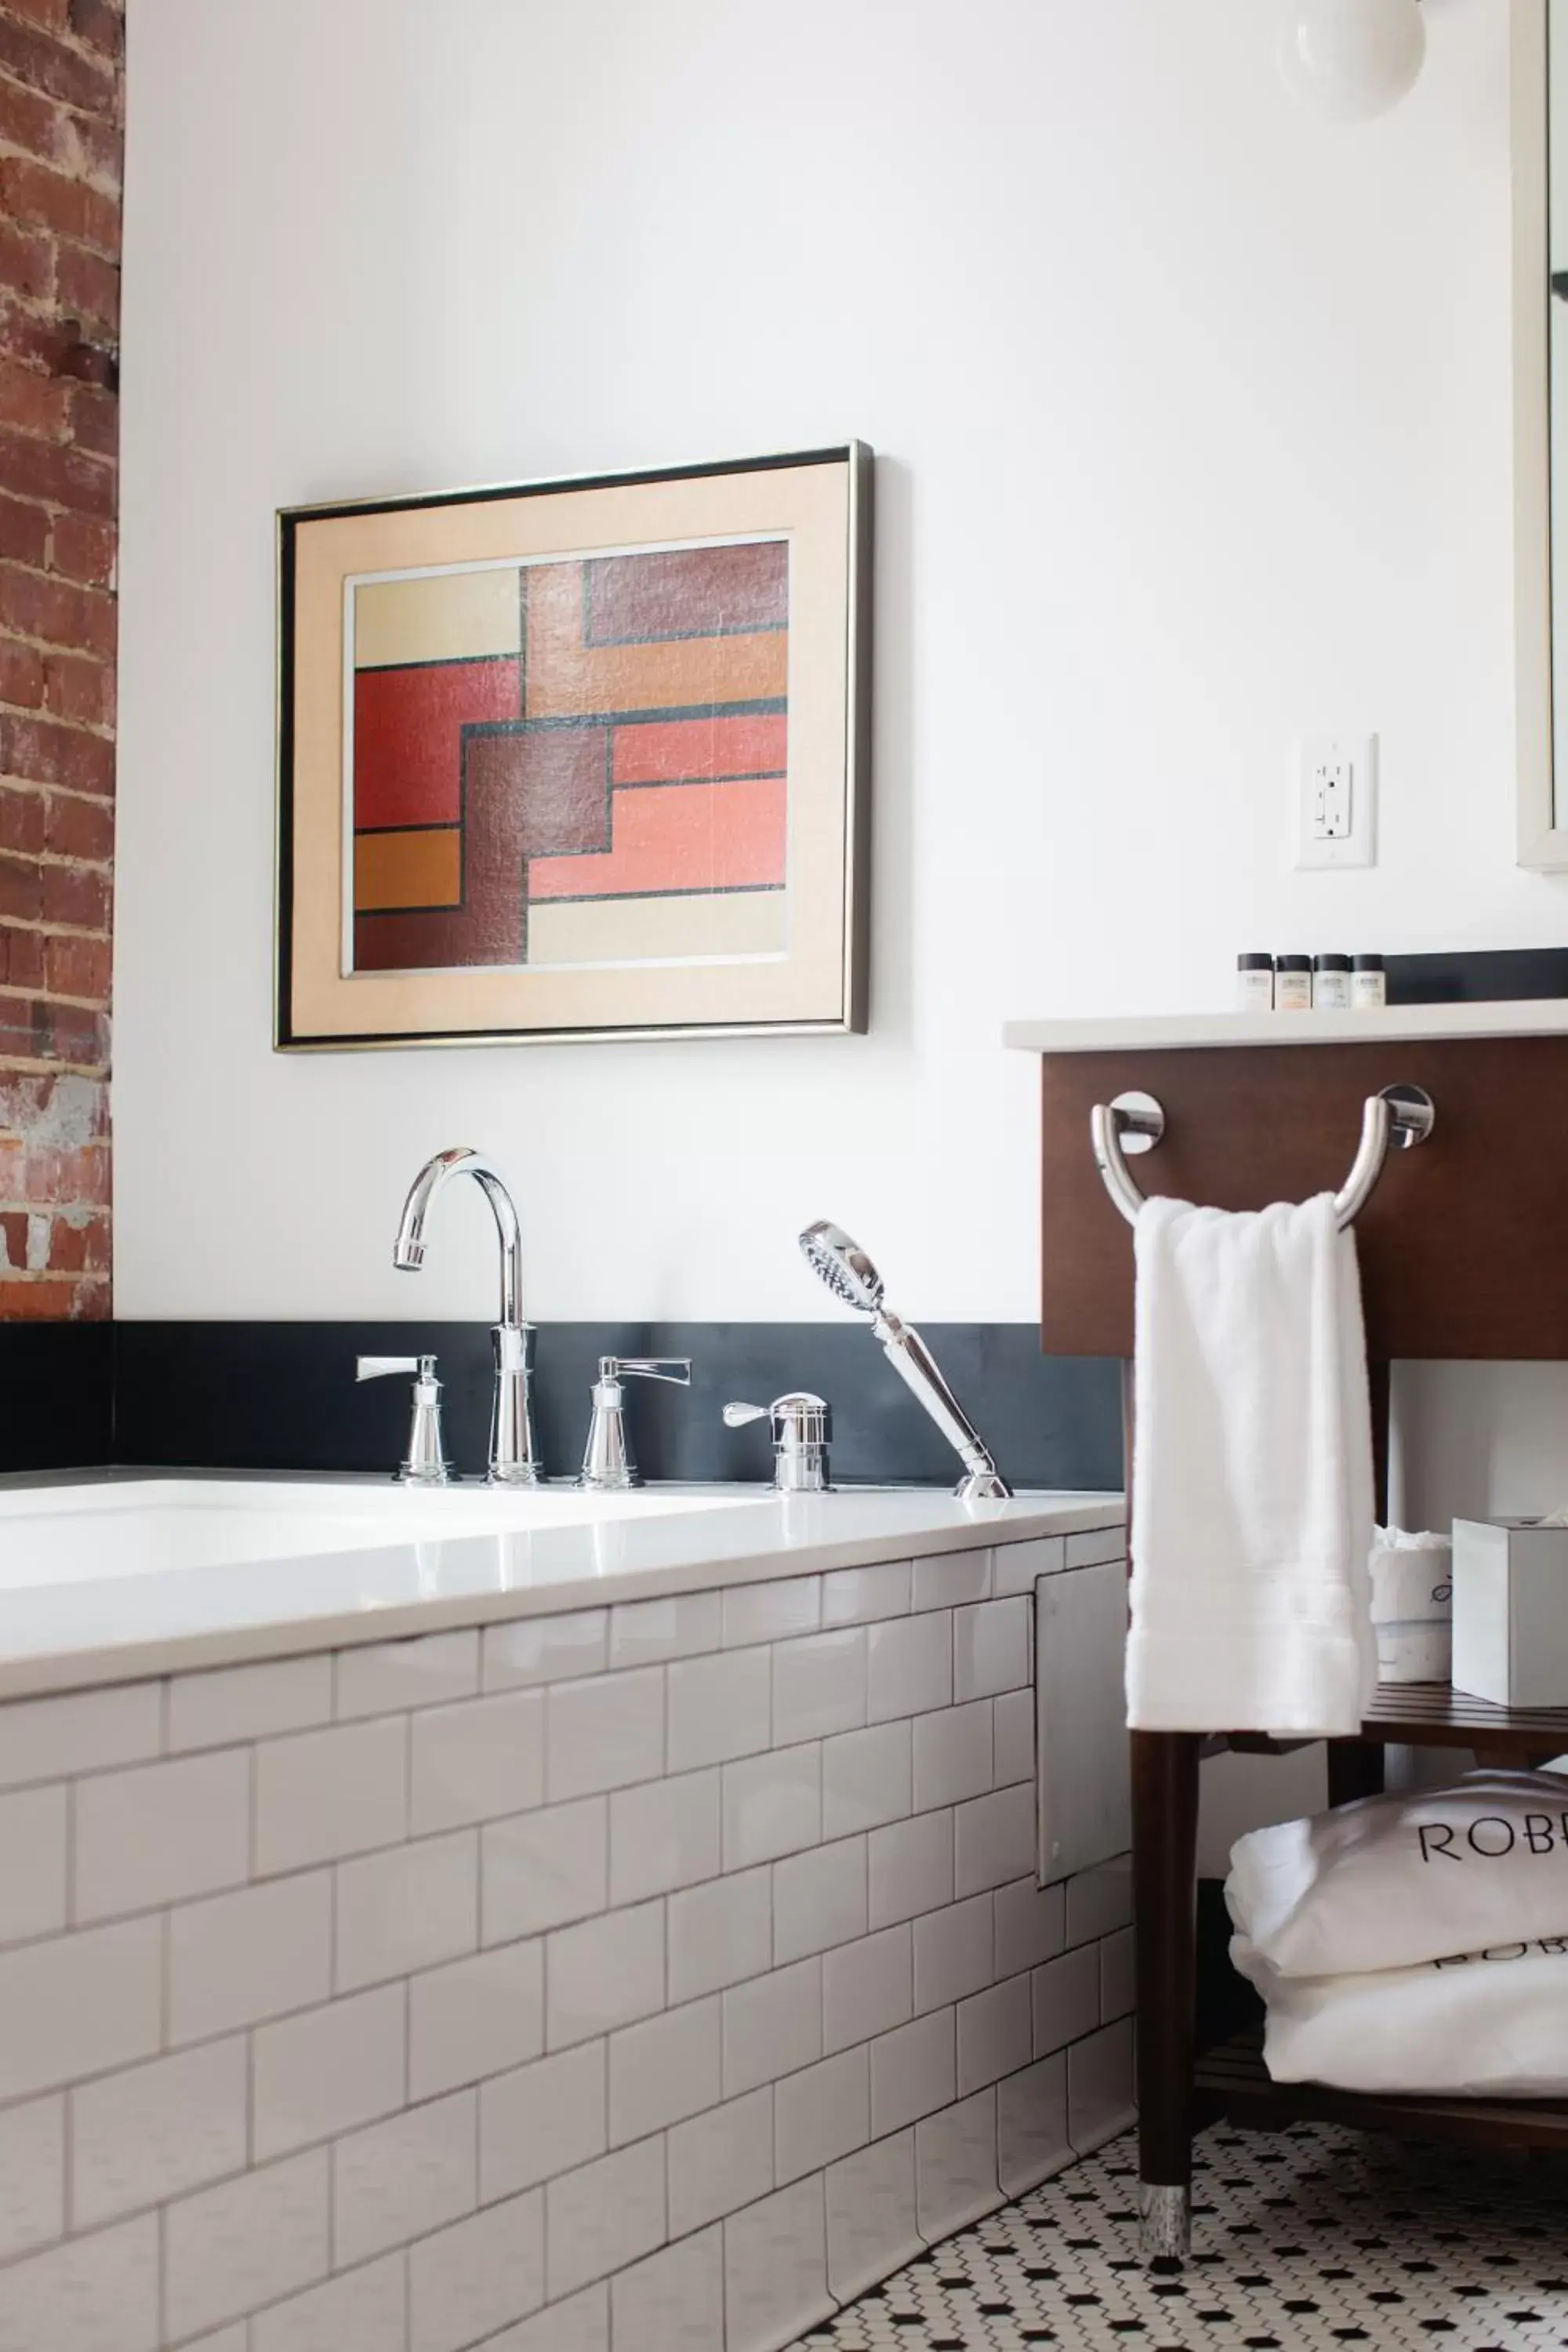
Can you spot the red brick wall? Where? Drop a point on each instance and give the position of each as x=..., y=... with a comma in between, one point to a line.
x=61, y=89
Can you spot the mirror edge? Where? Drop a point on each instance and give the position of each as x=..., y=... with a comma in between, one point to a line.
x=1543, y=841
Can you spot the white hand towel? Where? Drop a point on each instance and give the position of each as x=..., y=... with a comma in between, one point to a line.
x=1252, y=1492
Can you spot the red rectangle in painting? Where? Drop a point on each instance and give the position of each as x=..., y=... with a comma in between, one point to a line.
x=678, y=837
x=685, y=591
x=668, y=751
x=408, y=726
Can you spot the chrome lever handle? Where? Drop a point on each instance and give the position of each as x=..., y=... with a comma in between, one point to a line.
x=377, y=1368
x=677, y=1368
x=802, y=1425
x=426, y=1463
x=736, y=1416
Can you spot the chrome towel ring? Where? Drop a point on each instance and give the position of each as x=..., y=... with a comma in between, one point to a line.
x=1395, y=1119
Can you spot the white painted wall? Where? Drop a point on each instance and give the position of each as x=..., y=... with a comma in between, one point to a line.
x=1195, y=423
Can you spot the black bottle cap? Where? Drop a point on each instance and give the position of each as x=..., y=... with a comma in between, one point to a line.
x=1367, y=963
x=1293, y=963
x=1331, y=964
x=1254, y=963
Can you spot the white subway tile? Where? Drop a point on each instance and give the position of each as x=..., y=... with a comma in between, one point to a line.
x=229, y=2250
x=94, y=2294
x=819, y=1685
x=871, y=2229
x=772, y=1612
x=1095, y=1545
x=647, y=1632
x=1016, y=1567
x=401, y=2178
x=1100, y=2086
x=1098, y=1901
x=431, y=1670
x=953, y=1755
x=478, y=1760
x=821, y=2114
x=955, y=2167
x=605, y=2217
x=32, y=2175
x=240, y=1702
x=910, y=1666
x=33, y=1856
x=330, y=2070
x=78, y=2005
x=475, y=2017
x=955, y=1953
x=542, y=1870
x=993, y=1839
x=320, y=1794
x=944, y=1579
x=51, y=1739
x=720, y=1934
x=153, y=2131
x=607, y=1972
x=1118, y=1985
x=408, y=1909
x=914, y=2072
x=867, y=1779
x=664, y=1835
x=991, y=1648
x=235, y=2338
x=855, y=1596
x=819, y=1900
x=868, y=1988
x=605, y=1734
x=546, y=1649
x=580, y=2323
x=1028, y=1926
x=995, y=2035
x=772, y=1805
x=720, y=2161
x=162, y=1834
x=241, y=1958
x=674, y=2302
x=772, y=2026
x=1032, y=2126
x=664, y=2070
x=720, y=1707
x=541, y=2120
x=910, y=1868
x=1014, y=1740
x=775, y=2267
x=475, y=2277
x=1066, y=1998
x=364, y=2311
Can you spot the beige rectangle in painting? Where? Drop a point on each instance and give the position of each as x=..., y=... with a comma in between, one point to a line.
x=445, y=616
x=657, y=930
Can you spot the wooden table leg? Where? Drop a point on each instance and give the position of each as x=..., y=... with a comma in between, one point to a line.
x=1165, y=1894
x=1356, y=1769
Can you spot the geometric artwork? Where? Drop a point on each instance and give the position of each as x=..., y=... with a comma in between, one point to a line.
x=577, y=760
x=532, y=782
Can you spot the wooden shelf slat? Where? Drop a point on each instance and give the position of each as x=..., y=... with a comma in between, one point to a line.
x=1234, y=2081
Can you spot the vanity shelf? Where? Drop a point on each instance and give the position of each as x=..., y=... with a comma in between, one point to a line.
x=1231, y=2083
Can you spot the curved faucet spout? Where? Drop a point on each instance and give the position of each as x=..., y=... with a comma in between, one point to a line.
x=408, y=1249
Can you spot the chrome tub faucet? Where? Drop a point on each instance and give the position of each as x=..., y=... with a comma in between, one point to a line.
x=514, y=1453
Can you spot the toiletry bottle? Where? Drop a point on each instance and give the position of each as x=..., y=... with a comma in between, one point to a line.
x=1254, y=983
x=1331, y=983
x=1293, y=983
x=1369, y=984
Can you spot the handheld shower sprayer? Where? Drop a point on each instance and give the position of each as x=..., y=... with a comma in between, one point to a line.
x=849, y=1273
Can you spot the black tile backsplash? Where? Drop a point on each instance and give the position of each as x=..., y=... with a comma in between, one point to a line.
x=56, y=1395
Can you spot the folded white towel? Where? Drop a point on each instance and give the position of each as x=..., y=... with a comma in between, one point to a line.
x=1252, y=1500
x=1493, y=2022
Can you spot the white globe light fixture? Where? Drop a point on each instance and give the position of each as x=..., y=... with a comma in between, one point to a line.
x=1351, y=59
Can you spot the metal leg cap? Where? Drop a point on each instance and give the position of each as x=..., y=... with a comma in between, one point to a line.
x=1165, y=2216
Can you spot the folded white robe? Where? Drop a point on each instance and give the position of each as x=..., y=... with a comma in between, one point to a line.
x=1494, y=2022
x=1393, y=1880
x=1252, y=1497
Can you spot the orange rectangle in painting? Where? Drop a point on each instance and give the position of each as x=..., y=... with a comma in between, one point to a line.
x=422, y=867
x=667, y=751
x=672, y=837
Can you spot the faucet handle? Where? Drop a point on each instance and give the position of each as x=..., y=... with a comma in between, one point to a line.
x=377, y=1368
x=648, y=1368
x=426, y=1463
x=736, y=1416
x=802, y=1425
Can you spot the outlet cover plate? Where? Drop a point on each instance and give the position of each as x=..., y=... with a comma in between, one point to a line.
x=1334, y=802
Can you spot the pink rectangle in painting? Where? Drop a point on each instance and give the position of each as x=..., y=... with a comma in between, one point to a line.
x=727, y=837
x=667, y=750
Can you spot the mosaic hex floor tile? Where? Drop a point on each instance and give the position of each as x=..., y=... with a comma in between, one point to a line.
x=1314, y=2240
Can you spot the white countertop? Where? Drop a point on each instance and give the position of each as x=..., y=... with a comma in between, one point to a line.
x=1534, y=1017
x=125, y=1627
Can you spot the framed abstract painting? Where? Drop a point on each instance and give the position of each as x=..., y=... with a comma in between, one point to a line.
x=574, y=759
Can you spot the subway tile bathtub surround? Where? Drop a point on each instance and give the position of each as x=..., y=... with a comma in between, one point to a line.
x=662, y=1973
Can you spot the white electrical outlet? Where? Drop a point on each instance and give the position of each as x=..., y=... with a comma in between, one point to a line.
x=1335, y=800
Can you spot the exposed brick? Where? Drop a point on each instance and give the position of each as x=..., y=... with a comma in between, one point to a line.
x=78, y=1245
x=84, y=1299
x=47, y=1108
x=21, y=675
x=95, y=21
x=13, y=1224
x=80, y=549
x=66, y=478
x=50, y=754
x=43, y=63
x=79, y=828
x=95, y=418
x=22, y=956
x=23, y=828
x=33, y=401
x=75, y=688
x=24, y=1036
x=31, y=120
x=80, y=619
x=24, y=534
x=71, y=1179
x=77, y=896
x=21, y=889
x=85, y=285
x=27, y=262
x=35, y=192
x=77, y=968
x=54, y=14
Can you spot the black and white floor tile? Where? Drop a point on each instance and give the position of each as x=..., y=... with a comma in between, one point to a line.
x=1304, y=2241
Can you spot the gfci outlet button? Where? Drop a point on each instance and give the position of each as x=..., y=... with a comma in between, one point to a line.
x=1334, y=801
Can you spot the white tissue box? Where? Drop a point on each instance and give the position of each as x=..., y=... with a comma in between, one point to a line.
x=1413, y=1609
x=1511, y=1611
